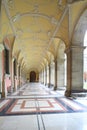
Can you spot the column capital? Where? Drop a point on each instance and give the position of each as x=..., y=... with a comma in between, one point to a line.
x=70, y=48
x=55, y=60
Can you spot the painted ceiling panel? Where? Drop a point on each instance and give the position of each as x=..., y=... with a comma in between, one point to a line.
x=35, y=24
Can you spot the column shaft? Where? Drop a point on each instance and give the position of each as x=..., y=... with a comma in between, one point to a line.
x=74, y=69
x=55, y=83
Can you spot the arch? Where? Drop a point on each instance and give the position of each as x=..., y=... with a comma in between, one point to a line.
x=6, y=43
x=61, y=65
x=80, y=29
x=58, y=38
x=61, y=49
x=35, y=71
x=32, y=76
x=18, y=16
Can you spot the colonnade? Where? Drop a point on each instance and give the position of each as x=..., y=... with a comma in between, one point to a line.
x=53, y=74
x=10, y=82
x=66, y=73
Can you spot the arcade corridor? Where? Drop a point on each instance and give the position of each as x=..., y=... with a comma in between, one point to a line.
x=37, y=107
x=43, y=64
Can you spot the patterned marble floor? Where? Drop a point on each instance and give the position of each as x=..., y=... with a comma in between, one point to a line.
x=33, y=90
x=47, y=109
x=40, y=105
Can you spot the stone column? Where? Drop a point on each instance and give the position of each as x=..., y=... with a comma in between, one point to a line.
x=42, y=76
x=2, y=76
x=52, y=75
x=61, y=73
x=17, y=74
x=12, y=74
x=74, y=69
x=20, y=79
x=55, y=84
x=49, y=75
x=45, y=75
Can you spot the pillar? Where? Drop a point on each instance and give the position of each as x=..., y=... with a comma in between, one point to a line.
x=52, y=75
x=74, y=69
x=12, y=74
x=17, y=75
x=3, y=92
x=45, y=75
x=20, y=83
x=55, y=83
x=61, y=73
x=42, y=76
x=49, y=75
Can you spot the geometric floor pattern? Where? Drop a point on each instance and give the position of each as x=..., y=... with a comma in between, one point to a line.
x=37, y=99
x=25, y=106
x=37, y=107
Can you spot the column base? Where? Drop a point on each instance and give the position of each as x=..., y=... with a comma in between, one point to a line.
x=68, y=93
x=3, y=95
x=48, y=85
x=55, y=88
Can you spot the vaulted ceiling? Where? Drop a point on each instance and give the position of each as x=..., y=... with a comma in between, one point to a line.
x=38, y=26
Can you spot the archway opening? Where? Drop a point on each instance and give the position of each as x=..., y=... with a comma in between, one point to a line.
x=85, y=62
x=62, y=69
x=32, y=76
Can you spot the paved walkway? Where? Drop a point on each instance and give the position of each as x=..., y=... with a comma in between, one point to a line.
x=36, y=107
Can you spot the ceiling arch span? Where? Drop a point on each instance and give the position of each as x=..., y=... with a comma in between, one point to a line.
x=75, y=12
x=51, y=51
x=45, y=61
x=33, y=69
x=52, y=20
x=39, y=27
x=59, y=39
x=9, y=41
x=41, y=67
x=55, y=46
x=6, y=43
x=21, y=61
x=61, y=50
x=80, y=29
x=16, y=54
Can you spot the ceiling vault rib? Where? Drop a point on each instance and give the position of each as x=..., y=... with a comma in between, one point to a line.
x=39, y=15
x=9, y=17
x=56, y=30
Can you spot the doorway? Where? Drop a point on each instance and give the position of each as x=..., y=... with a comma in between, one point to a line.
x=32, y=76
